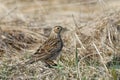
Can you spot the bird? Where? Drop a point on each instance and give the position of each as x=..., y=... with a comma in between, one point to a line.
x=50, y=49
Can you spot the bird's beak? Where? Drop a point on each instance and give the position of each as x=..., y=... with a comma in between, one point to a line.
x=65, y=29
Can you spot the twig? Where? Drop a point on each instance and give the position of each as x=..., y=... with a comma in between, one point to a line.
x=79, y=41
x=102, y=4
x=74, y=21
x=1, y=18
x=76, y=27
x=101, y=58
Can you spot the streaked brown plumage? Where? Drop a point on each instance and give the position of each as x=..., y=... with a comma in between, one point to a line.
x=50, y=49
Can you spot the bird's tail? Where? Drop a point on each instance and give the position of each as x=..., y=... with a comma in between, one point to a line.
x=32, y=60
x=22, y=65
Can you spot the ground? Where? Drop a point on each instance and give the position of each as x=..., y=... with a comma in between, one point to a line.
x=91, y=44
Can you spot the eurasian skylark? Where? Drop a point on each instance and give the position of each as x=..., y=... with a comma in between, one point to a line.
x=50, y=49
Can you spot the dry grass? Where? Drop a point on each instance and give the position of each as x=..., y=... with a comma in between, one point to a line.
x=91, y=46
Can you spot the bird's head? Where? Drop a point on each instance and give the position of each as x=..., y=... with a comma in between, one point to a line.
x=57, y=29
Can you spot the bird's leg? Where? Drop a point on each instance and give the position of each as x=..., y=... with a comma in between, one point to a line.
x=50, y=63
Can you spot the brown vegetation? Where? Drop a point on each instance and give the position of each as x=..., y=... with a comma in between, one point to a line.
x=91, y=46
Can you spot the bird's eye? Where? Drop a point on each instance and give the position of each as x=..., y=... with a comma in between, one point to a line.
x=58, y=28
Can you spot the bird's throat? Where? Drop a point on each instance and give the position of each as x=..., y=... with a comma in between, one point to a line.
x=55, y=35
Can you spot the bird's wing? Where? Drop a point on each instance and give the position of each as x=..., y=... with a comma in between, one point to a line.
x=49, y=47
x=47, y=50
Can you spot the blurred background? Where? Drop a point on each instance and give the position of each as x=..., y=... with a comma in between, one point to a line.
x=91, y=44
x=49, y=12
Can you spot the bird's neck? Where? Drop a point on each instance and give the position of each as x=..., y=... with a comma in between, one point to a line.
x=55, y=35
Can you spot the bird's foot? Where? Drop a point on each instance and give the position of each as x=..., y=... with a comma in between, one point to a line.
x=50, y=64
